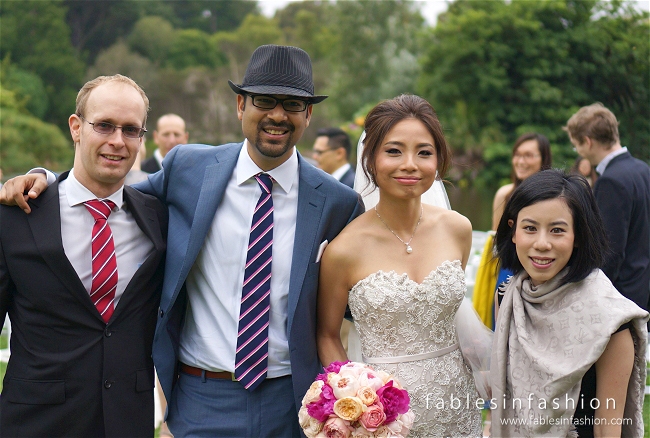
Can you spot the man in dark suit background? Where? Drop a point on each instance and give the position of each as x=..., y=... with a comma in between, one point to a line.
x=170, y=132
x=622, y=193
x=80, y=278
x=331, y=152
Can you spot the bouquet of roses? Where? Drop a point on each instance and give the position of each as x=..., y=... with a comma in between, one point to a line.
x=353, y=400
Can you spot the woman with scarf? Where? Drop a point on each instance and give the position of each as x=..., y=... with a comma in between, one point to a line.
x=568, y=357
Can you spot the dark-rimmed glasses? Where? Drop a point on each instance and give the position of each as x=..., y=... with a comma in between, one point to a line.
x=291, y=105
x=106, y=128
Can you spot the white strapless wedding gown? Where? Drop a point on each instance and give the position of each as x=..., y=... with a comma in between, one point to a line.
x=407, y=329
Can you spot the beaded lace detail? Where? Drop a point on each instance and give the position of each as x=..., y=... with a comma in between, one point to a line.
x=396, y=316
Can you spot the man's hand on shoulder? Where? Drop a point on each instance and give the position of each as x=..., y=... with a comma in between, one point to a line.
x=18, y=190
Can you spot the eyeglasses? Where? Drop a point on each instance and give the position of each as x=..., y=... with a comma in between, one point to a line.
x=106, y=128
x=291, y=105
x=320, y=152
x=525, y=157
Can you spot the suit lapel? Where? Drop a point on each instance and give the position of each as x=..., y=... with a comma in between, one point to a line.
x=215, y=181
x=144, y=216
x=45, y=223
x=310, y=209
x=147, y=219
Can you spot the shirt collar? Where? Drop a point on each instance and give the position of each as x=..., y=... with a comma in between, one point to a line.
x=159, y=158
x=338, y=173
x=77, y=193
x=284, y=174
x=605, y=161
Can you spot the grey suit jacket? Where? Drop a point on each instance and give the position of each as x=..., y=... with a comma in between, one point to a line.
x=192, y=184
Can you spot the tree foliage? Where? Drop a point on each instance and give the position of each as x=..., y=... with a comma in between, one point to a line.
x=28, y=141
x=35, y=37
x=495, y=70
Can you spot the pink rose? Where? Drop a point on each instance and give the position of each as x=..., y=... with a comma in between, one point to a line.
x=373, y=417
x=334, y=367
x=371, y=379
x=323, y=407
x=394, y=400
x=337, y=428
x=352, y=369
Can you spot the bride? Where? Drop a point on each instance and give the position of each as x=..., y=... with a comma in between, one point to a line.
x=401, y=266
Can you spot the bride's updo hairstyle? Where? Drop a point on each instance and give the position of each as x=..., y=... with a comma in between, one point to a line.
x=590, y=241
x=382, y=118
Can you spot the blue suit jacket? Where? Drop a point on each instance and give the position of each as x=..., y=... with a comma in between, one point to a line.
x=192, y=184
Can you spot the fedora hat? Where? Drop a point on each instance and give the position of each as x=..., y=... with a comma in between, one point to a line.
x=278, y=70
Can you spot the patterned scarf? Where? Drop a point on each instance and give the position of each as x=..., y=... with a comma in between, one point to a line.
x=546, y=339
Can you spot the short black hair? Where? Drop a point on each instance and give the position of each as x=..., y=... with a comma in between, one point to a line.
x=590, y=238
x=337, y=138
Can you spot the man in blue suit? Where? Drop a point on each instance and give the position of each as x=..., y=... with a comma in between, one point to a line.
x=217, y=382
x=212, y=194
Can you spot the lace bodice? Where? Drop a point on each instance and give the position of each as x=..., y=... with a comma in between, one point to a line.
x=399, y=321
x=397, y=316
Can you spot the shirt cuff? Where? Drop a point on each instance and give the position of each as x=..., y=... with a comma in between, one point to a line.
x=49, y=175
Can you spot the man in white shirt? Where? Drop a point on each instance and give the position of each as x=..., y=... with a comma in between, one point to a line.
x=80, y=278
x=622, y=193
x=170, y=132
x=214, y=196
x=332, y=152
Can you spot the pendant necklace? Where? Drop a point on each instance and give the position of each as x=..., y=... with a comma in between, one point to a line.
x=409, y=250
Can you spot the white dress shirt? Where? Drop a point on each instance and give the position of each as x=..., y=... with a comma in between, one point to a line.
x=605, y=161
x=214, y=284
x=132, y=246
x=338, y=173
x=158, y=156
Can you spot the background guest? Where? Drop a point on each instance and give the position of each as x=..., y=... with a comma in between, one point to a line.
x=623, y=196
x=170, y=132
x=332, y=153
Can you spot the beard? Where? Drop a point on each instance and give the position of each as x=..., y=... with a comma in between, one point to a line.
x=272, y=148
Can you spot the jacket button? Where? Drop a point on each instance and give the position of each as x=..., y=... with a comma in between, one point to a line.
x=108, y=333
x=162, y=313
x=108, y=384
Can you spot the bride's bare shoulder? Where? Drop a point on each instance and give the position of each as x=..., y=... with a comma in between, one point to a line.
x=451, y=220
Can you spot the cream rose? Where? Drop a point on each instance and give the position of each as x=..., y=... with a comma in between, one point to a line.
x=310, y=426
x=403, y=424
x=343, y=385
x=313, y=393
x=349, y=408
x=367, y=395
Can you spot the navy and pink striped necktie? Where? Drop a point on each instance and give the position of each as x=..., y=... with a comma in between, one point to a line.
x=251, y=358
x=104, y=262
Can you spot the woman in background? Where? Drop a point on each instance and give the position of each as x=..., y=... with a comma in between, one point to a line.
x=583, y=167
x=530, y=154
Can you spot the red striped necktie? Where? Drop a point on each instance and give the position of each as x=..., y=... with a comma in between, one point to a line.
x=251, y=357
x=104, y=262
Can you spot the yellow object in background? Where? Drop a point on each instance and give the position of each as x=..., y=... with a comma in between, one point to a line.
x=486, y=280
